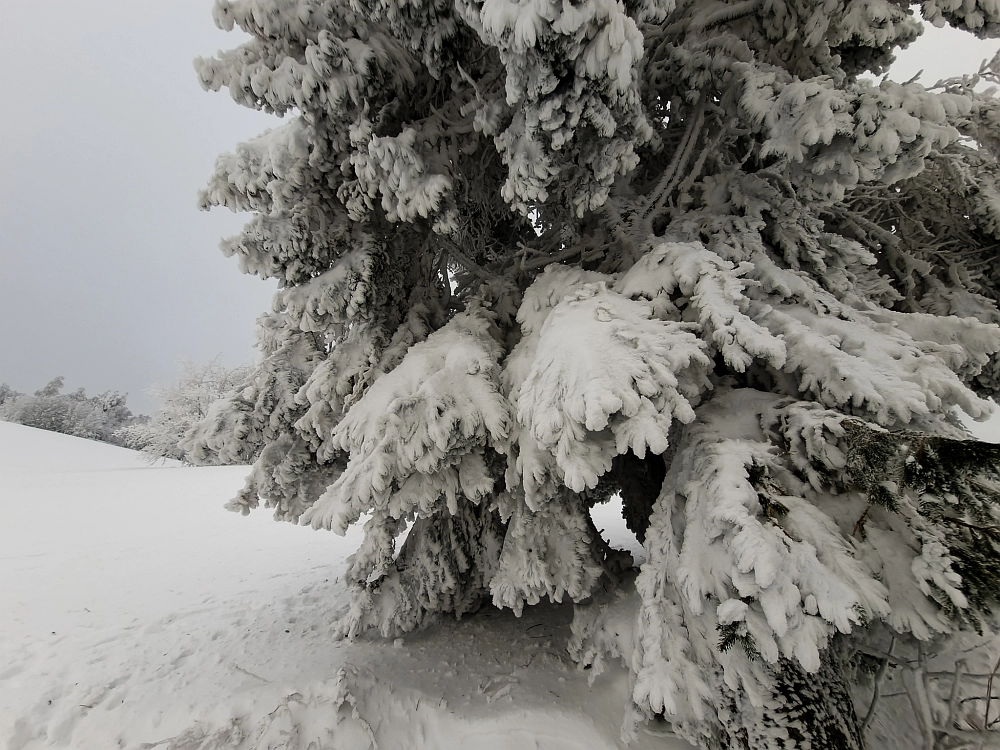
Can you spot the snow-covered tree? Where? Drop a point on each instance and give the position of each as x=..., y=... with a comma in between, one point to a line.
x=531, y=254
x=182, y=406
x=8, y=395
x=98, y=417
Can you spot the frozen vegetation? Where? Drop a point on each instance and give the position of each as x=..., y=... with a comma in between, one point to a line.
x=533, y=256
x=100, y=417
x=182, y=405
x=542, y=266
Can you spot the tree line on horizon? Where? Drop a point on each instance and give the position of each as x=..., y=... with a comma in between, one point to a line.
x=75, y=413
x=106, y=417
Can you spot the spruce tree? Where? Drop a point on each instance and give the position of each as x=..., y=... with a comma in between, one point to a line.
x=533, y=254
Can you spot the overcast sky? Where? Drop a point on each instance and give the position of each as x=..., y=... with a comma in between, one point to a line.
x=108, y=272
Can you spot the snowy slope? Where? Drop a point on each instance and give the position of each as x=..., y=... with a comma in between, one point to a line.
x=93, y=536
x=135, y=612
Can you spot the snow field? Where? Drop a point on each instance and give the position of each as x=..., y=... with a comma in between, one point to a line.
x=136, y=613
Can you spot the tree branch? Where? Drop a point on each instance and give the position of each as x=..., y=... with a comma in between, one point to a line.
x=542, y=261
x=658, y=197
x=886, y=656
x=972, y=735
x=989, y=694
x=467, y=263
x=876, y=693
x=954, y=704
x=710, y=147
x=726, y=14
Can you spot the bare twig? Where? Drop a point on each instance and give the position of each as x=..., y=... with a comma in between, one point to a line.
x=989, y=694
x=238, y=668
x=970, y=735
x=860, y=524
x=954, y=703
x=914, y=681
x=977, y=698
x=908, y=679
x=876, y=693
x=896, y=662
x=923, y=693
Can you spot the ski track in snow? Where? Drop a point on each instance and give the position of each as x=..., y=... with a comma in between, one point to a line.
x=136, y=613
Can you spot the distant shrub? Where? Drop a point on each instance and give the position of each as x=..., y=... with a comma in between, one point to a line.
x=183, y=405
x=94, y=417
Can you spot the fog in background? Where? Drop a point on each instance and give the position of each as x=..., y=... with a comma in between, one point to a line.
x=108, y=272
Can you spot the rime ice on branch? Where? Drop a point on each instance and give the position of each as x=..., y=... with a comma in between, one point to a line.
x=531, y=254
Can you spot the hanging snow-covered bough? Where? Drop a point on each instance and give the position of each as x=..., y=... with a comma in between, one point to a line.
x=531, y=254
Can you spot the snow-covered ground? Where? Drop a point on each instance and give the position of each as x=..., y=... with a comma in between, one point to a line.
x=136, y=613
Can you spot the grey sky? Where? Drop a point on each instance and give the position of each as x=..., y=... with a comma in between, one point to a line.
x=108, y=272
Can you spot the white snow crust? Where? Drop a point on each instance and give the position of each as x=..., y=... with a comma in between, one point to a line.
x=136, y=613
